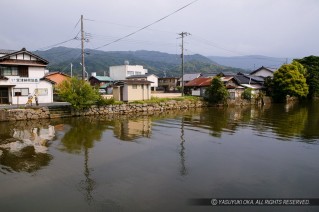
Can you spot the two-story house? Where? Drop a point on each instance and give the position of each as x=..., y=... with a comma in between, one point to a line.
x=168, y=83
x=21, y=74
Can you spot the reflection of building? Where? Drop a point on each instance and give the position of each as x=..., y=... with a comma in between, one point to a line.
x=129, y=130
x=27, y=149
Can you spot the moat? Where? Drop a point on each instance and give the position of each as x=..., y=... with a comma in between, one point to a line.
x=159, y=162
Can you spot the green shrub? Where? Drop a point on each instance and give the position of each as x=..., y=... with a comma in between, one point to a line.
x=247, y=94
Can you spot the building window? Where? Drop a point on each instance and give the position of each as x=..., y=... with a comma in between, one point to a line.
x=129, y=73
x=23, y=91
x=134, y=86
x=9, y=71
x=138, y=73
x=21, y=71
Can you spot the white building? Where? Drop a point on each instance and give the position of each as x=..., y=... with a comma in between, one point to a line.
x=148, y=77
x=21, y=73
x=123, y=71
x=263, y=72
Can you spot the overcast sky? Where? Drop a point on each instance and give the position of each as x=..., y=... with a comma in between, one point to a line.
x=279, y=28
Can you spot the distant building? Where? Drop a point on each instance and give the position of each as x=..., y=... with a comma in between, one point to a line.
x=168, y=83
x=149, y=77
x=198, y=86
x=263, y=72
x=104, y=83
x=123, y=71
x=188, y=77
x=21, y=73
x=56, y=77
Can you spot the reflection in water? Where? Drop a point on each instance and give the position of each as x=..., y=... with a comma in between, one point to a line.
x=81, y=136
x=88, y=184
x=131, y=129
x=183, y=170
x=83, y=133
x=23, y=146
x=232, y=151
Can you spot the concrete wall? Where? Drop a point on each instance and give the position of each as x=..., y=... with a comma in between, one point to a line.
x=128, y=108
x=116, y=93
x=46, y=96
x=121, y=72
x=154, y=80
x=141, y=92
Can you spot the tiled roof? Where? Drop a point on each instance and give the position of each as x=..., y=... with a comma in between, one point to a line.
x=199, y=82
x=242, y=79
x=23, y=50
x=189, y=77
x=133, y=82
x=103, y=78
x=272, y=70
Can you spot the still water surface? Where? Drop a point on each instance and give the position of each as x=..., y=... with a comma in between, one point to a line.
x=158, y=163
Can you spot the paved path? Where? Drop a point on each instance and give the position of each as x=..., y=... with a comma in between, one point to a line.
x=34, y=106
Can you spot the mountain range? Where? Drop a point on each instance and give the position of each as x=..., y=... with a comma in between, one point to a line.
x=159, y=63
x=250, y=62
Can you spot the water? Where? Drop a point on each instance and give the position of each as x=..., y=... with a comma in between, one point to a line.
x=158, y=163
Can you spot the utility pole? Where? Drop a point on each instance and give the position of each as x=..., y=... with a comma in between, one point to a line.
x=182, y=55
x=82, y=46
x=71, y=69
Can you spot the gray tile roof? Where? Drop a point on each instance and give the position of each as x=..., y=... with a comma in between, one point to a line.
x=189, y=77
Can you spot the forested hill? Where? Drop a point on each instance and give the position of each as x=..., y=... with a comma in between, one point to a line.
x=158, y=63
x=250, y=62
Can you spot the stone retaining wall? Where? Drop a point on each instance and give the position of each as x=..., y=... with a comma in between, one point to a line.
x=44, y=112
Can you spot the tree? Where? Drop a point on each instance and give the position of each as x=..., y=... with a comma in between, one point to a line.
x=247, y=94
x=311, y=63
x=289, y=80
x=217, y=92
x=77, y=92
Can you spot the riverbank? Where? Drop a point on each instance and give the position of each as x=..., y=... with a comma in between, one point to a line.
x=60, y=111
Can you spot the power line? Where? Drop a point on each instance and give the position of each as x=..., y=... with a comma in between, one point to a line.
x=147, y=25
x=47, y=47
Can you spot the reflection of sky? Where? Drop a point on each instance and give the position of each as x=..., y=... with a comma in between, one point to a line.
x=36, y=137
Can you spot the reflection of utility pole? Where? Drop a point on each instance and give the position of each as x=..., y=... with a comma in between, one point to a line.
x=183, y=170
x=182, y=55
x=89, y=183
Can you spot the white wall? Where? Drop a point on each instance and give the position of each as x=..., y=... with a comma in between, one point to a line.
x=154, y=80
x=48, y=98
x=263, y=73
x=36, y=72
x=120, y=72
